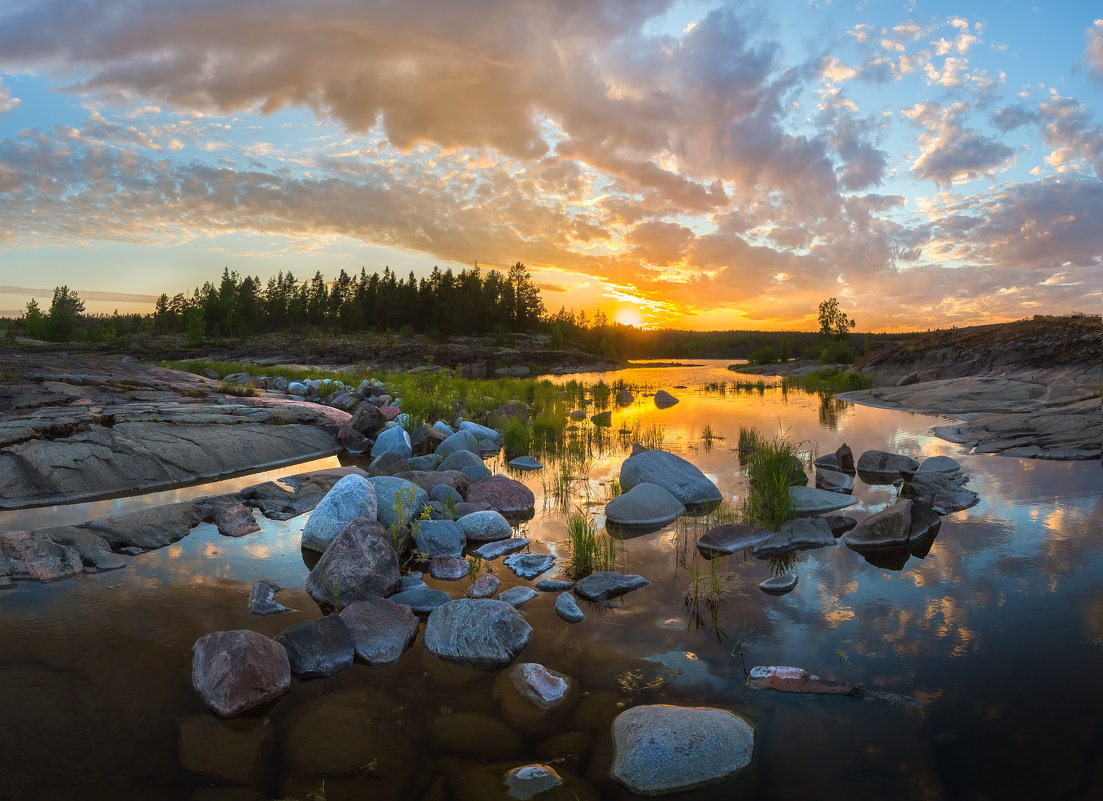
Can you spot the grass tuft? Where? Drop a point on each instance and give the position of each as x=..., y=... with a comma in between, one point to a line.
x=590, y=552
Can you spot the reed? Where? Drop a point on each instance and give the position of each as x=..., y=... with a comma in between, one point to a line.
x=590, y=552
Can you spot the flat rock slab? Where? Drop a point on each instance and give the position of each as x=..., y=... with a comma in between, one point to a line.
x=481, y=633
x=807, y=501
x=645, y=504
x=730, y=538
x=529, y=565
x=779, y=585
x=517, y=596
x=235, y=671
x=422, y=600
x=381, y=629
x=942, y=490
x=679, y=477
x=567, y=608
x=492, y=550
x=608, y=584
x=553, y=585
x=801, y=534
x=786, y=679
x=660, y=749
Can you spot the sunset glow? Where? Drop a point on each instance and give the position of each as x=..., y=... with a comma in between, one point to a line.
x=707, y=165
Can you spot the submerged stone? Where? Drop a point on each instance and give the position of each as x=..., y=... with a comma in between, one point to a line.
x=480, y=633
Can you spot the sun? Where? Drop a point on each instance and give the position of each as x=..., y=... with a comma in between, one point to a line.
x=629, y=315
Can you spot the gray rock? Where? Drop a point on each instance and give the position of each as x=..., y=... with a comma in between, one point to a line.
x=475, y=472
x=399, y=500
x=840, y=524
x=445, y=494
x=262, y=599
x=808, y=501
x=360, y=563
x=411, y=581
x=485, y=586
x=779, y=585
x=942, y=490
x=429, y=461
x=939, y=464
x=730, y=538
x=882, y=463
x=898, y=525
x=485, y=526
x=318, y=648
x=845, y=458
x=480, y=633
x=577, y=414
x=661, y=749
x=664, y=400
x=235, y=671
x=797, y=535
x=422, y=601
x=458, y=460
x=645, y=504
x=483, y=434
x=36, y=558
x=460, y=441
x=298, y=388
x=511, y=498
x=439, y=538
x=525, y=463
x=529, y=565
x=567, y=608
x=388, y=463
x=381, y=629
x=624, y=397
x=448, y=568
x=351, y=497
x=608, y=584
x=528, y=781
x=517, y=596
x=682, y=479
x=492, y=550
x=834, y=481
x=443, y=428
x=393, y=440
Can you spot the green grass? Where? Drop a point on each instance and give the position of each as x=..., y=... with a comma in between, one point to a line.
x=590, y=552
x=237, y=390
x=769, y=467
x=829, y=379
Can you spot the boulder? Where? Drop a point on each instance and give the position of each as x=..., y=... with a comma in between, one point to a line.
x=533, y=697
x=366, y=421
x=458, y=460
x=318, y=648
x=567, y=608
x=428, y=479
x=235, y=671
x=393, y=440
x=844, y=458
x=664, y=400
x=681, y=478
x=602, y=419
x=834, y=481
x=399, y=500
x=485, y=526
x=480, y=633
x=388, y=463
x=525, y=463
x=360, y=563
x=942, y=490
x=730, y=538
x=37, y=558
x=898, y=525
x=517, y=596
x=529, y=565
x=529, y=781
x=624, y=397
x=381, y=629
x=808, y=501
x=439, y=538
x=425, y=439
x=443, y=493
x=483, y=434
x=659, y=749
x=939, y=464
x=511, y=498
x=840, y=524
x=421, y=600
x=448, y=568
x=351, y=497
x=797, y=535
x=886, y=465
x=459, y=441
x=484, y=586
x=608, y=584
x=645, y=504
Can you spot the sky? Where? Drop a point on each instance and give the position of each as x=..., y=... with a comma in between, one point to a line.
x=703, y=165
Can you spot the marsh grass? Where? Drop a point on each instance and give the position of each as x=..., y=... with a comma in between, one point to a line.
x=769, y=468
x=709, y=436
x=590, y=551
x=653, y=437
x=237, y=390
x=828, y=379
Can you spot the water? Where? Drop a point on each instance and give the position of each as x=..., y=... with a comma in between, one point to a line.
x=998, y=630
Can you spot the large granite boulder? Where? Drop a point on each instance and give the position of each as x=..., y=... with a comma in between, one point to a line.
x=681, y=478
x=318, y=648
x=485, y=526
x=351, y=497
x=477, y=632
x=235, y=671
x=659, y=749
x=645, y=504
x=360, y=563
x=899, y=525
x=399, y=500
x=460, y=441
x=459, y=460
x=393, y=440
x=506, y=495
x=381, y=629
x=885, y=465
x=439, y=538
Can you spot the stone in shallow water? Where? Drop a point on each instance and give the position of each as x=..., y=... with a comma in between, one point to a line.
x=939, y=464
x=807, y=501
x=439, y=538
x=360, y=563
x=645, y=504
x=681, y=478
x=352, y=496
x=567, y=608
x=779, y=585
x=942, y=490
x=422, y=601
x=800, y=534
x=504, y=494
x=485, y=526
x=381, y=629
x=235, y=671
x=492, y=550
x=516, y=596
x=834, y=481
x=840, y=524
x=262, y=599
x=529, y=781
x=525, y=463
x=898, y=525
x=608, y=584
x=529, y=565
x=480, y=633
x=884, y=463
x=664, y=400
x=662, y=749
x=787, y=679
x=553, y=585
x=448, y=568
x=485, y=586
x=729, y=538
x=318, y=648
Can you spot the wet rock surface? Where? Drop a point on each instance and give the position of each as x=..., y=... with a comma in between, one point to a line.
x=381, y=629
x=235, y=671
x=608, y=584
x=359, y=564
x=480, y=633
x=679, y=477
x=318, y=648
x=645, y=504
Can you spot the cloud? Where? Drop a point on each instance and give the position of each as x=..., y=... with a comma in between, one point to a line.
x=86, y=294
x=7, y=102
x=952, y=153
x=1009, y=118
x=1093, y=53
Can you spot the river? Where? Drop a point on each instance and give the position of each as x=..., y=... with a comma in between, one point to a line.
x=995, y=636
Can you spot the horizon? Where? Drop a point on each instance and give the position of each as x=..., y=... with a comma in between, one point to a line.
x=679, y=165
